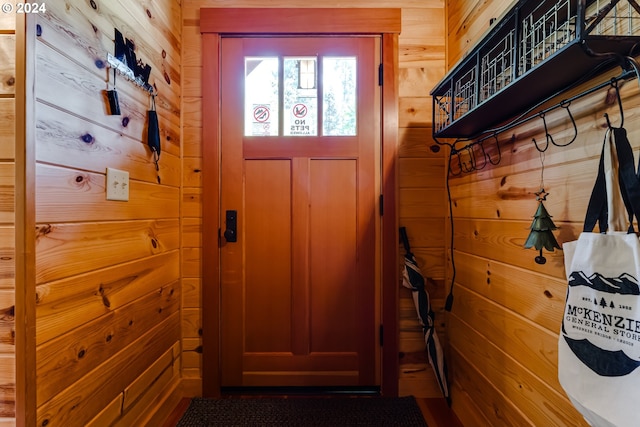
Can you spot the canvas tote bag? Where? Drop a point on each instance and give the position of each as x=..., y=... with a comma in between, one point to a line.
x=599, y=342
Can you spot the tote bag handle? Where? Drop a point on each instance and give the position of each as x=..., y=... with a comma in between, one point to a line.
x=628, y=184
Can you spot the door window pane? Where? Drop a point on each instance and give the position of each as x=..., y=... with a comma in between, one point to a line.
x=300, y=96
x=261, y=102
x=339, y=96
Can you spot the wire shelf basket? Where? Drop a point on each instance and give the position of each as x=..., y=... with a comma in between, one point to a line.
x=496, y=70
x=465, y=94
x=441, y=110
x=621, y=20
x=545, y=32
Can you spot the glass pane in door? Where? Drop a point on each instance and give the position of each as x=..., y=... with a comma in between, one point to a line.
x=339, y=113
x=261, y=101
x=300, y=96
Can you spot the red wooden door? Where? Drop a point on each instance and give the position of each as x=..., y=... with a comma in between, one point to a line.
x=300, y=173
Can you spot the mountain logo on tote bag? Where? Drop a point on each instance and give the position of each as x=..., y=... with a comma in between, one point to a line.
x=595, y=318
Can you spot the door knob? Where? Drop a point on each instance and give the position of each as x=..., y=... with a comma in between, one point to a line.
x=231, y=224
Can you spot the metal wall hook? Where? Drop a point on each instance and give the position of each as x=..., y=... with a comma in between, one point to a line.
x=565, y=104
x=495, y=136
x=455, y=153
x=472, y=161
x=484, y=155
x=546, y=133
x=614, y=84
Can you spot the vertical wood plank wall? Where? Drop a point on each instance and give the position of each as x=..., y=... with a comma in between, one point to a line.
x=507, y=310
x=108, y=288
x=7, y=218
x=421, y=172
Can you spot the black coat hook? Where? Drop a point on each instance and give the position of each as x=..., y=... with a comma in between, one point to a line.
x=614, y=84
x=495, y=163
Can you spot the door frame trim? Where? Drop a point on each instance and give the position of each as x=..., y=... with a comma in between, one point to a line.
x=218, y=22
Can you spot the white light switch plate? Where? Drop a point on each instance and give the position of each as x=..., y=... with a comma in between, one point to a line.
x=117, y=185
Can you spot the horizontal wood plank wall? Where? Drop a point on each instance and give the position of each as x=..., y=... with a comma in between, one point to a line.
x=108, y=287
x=421, y=173
x=503, y=330
x=7, y=219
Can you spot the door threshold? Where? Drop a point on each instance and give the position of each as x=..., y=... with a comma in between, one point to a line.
x=300, y=391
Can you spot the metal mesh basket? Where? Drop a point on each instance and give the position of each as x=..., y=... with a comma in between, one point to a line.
x=465, y=93
x=496, y=69
x=621, y=19
x=442, y=108
x=545, y=31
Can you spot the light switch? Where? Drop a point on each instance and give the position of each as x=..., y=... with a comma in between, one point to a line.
x=117, y=185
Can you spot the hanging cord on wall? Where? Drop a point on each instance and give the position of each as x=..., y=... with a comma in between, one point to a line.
x=449, y=302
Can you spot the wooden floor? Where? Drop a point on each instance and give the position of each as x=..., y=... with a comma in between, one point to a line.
x=435, y=411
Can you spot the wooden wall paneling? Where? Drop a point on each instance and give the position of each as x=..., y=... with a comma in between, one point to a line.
x=7, y=385
x=144, y=407
x=415, y=142
x=467, y=23
x=160, y=368
x=192, y=232
x=7, y=192
x=487, y=399
x=503, y=241
x=7, y=64
x=94, y=29
x=7, y=129
x=533, y=346
x=192, y=354
x=7, y=256
x=66, y=304
x=421, y=202
x=464, y=406
x=191, y=292
x=86, y=397
x=512, y=379
x=8, y=20
x=415, y=112
x=61, y=248
x=191, y=323
x=67, y=195
x=64, y=138
x=70, y=356
x=422, y=25
x=513, y=196
x=121, y=258
x=109, y=414
x=85, y=95
x=7, y=326
x=538, y=297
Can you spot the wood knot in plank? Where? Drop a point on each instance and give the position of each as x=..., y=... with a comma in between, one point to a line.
x=43, y=230
x=514, y=193
x=105, y=298
x=87, y=138
x=8, y=314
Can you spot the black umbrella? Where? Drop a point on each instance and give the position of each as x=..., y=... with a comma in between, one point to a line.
x=413, y=279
